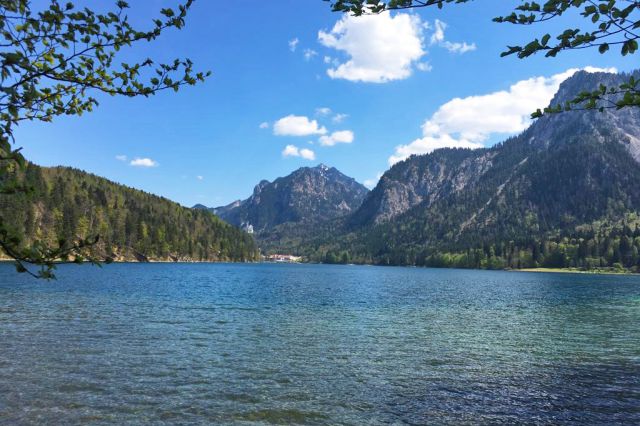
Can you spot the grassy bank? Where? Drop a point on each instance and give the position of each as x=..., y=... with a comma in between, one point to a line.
x=600, y=271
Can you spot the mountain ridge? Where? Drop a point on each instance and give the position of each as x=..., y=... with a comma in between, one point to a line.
x=565, y=192
x=407, y=183
x=308, y=194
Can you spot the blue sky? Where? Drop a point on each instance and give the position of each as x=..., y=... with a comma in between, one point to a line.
x=296, y=85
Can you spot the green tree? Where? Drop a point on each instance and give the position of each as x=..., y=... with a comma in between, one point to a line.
x=606, y=24
x=54, y=59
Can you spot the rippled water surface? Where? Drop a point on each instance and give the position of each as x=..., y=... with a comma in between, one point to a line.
x=313, y=344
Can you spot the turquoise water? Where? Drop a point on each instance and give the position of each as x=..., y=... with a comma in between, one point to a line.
x=316, y=344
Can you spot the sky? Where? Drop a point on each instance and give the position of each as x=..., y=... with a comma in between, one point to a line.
x=294, y=84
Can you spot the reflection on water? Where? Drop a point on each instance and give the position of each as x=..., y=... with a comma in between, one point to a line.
x=318, y=344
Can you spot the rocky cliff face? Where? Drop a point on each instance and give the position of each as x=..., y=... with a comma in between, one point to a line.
x=421, y=180
x=426, y=180
x=621, y=125
x=309, y=194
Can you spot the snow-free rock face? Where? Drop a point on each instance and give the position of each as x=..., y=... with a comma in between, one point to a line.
x=426, y=179
x=421, y=180
x=309, y=194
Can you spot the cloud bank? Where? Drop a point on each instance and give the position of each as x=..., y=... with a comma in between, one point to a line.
x=469, y=122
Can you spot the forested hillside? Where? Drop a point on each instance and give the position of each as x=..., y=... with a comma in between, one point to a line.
x=132, y=225
x=564, y=193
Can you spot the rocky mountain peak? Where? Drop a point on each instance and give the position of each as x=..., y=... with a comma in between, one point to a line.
x=428, y=179
x=308, y=194
x=260, y=186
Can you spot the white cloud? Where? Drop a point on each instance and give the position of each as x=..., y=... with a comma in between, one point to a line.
x=469, y=122
x=309, y=54
x=121, y=157
x=438, y=31
x=200, y=177
x=143, y=162
x=454, y=47
x=294, y=151
x=339, y=118
x=342, y=136
x=459, y=47
x=293, y=125
x=371, y=183
x=264, y=125
x=380, y=48
x=293, y=44
x=424, y=66
x=323, y=111
x=429, y=144
x=307, y=154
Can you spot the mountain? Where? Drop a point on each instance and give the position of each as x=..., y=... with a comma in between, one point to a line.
x=424, y=180
x=133, y=225
x=308, y=195
x=566, y=192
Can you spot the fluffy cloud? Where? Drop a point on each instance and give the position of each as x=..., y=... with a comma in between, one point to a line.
x=143, y=162
x=438, y=38
x=342, y=136
x=293, y=44
x=380, y=48
x=294, y=151
x=295, y=125
x=468, y=122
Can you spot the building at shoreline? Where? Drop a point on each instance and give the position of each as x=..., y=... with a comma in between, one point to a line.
x=284, y=258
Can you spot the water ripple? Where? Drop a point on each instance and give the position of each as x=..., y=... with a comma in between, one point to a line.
x=311, y=344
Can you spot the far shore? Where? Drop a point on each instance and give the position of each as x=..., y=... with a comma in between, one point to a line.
x=576, y=271
x=4, y=259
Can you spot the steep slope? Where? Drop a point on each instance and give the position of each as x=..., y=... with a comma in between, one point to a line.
x=423, y=180
x=309, y=195
x=566, y=192
x=132, y=225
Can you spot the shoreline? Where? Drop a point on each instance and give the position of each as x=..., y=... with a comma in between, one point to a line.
x=574, y=271
x=531, y=270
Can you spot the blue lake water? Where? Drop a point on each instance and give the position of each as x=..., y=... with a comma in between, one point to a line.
x=317, y=344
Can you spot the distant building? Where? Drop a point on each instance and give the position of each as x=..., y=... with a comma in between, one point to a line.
x=285, y=258
x=247, y=227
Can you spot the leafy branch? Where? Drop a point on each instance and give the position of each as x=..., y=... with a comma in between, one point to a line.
x=607, y=24
x=52, y=60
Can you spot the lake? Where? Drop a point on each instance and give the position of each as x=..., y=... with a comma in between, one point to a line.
x=317, y=344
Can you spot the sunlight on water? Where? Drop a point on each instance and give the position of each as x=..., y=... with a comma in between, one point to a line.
x=318, y=344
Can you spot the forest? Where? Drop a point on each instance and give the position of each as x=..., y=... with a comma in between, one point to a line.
x=64, y=204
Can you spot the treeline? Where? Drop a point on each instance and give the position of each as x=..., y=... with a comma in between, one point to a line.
x=616, y=247
x=68, y=204
x=610, y=245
